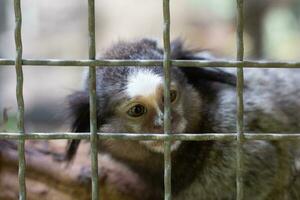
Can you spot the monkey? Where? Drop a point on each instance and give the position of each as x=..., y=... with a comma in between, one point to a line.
x=203, y=100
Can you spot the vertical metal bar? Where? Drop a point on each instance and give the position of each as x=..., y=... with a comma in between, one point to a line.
x=20, y=99
x=240, y=103
x=167, y=106
x=93, y=100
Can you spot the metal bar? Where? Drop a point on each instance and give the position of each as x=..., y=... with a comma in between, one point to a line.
x=240, y=101
x=167, y=104
x=151, y=136
x=93, y=101
x=84, y=63
x=231, y=64
x=20, y=99
x=151, y=63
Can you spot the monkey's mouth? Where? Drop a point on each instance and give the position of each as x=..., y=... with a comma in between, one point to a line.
x=158, y=146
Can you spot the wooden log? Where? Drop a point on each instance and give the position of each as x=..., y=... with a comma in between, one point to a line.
x=49, y=179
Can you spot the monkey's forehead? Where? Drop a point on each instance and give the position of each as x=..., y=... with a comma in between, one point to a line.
x=143, y=83
x=133, y=81
x=120, y=76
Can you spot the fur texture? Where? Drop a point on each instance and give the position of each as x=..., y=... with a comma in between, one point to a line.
x=203, y=170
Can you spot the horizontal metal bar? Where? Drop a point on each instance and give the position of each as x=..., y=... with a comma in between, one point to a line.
x=45, y=136
x=84, y=63
x=152, y=136
x=233, y=64
x=178, y=63
x=272, y=136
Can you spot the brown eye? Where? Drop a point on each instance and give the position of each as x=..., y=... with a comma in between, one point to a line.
x=173, y=96
x=137, y=111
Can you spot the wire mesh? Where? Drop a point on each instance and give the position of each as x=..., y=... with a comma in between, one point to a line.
x=93, y=136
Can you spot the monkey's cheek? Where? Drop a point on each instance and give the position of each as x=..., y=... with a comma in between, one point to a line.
x=179, y=126
x=158, y=146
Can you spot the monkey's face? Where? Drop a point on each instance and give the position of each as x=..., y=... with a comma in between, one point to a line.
x=142, y=111
x=130, y=100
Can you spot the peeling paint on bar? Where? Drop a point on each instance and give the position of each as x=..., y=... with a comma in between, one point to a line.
x=151, y=136
x=240, y=102
x=20, y=99
x=151, y=63
x=93, y=101
x=167, y=104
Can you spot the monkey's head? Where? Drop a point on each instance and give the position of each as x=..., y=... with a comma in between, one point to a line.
x=131, y=99
x=137, y=105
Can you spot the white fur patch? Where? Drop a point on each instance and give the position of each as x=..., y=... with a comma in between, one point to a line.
x=143, y=83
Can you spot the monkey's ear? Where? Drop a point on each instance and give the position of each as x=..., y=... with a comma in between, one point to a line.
x=196, y=74
x=80, y=114
x=79, y=111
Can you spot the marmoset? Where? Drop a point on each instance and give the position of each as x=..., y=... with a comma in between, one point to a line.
x=203, y=100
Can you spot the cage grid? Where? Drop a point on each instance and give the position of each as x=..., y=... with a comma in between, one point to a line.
x=167, y=62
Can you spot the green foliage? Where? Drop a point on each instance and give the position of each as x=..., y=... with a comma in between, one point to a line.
x=8, y=123
x=282, y=34
x=11, y=125
x=222, y=9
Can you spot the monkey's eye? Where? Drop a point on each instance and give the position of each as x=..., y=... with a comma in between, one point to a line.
x=137, y=110
x=173, y=96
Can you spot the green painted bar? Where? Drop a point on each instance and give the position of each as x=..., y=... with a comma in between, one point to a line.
x=272, y=136
x=240, y=101
x=151, y=136
x=84, y=63
x=230, y=64
x=167, y=104
x=44, y=136
x=151, y=63
x=20, y=99
x=93, y=101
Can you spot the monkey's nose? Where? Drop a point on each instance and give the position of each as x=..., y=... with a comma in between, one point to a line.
x=159, y=128
x=171, y=118
x=159, y=121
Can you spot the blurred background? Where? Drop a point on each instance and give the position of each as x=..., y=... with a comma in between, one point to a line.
x=58, y=29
